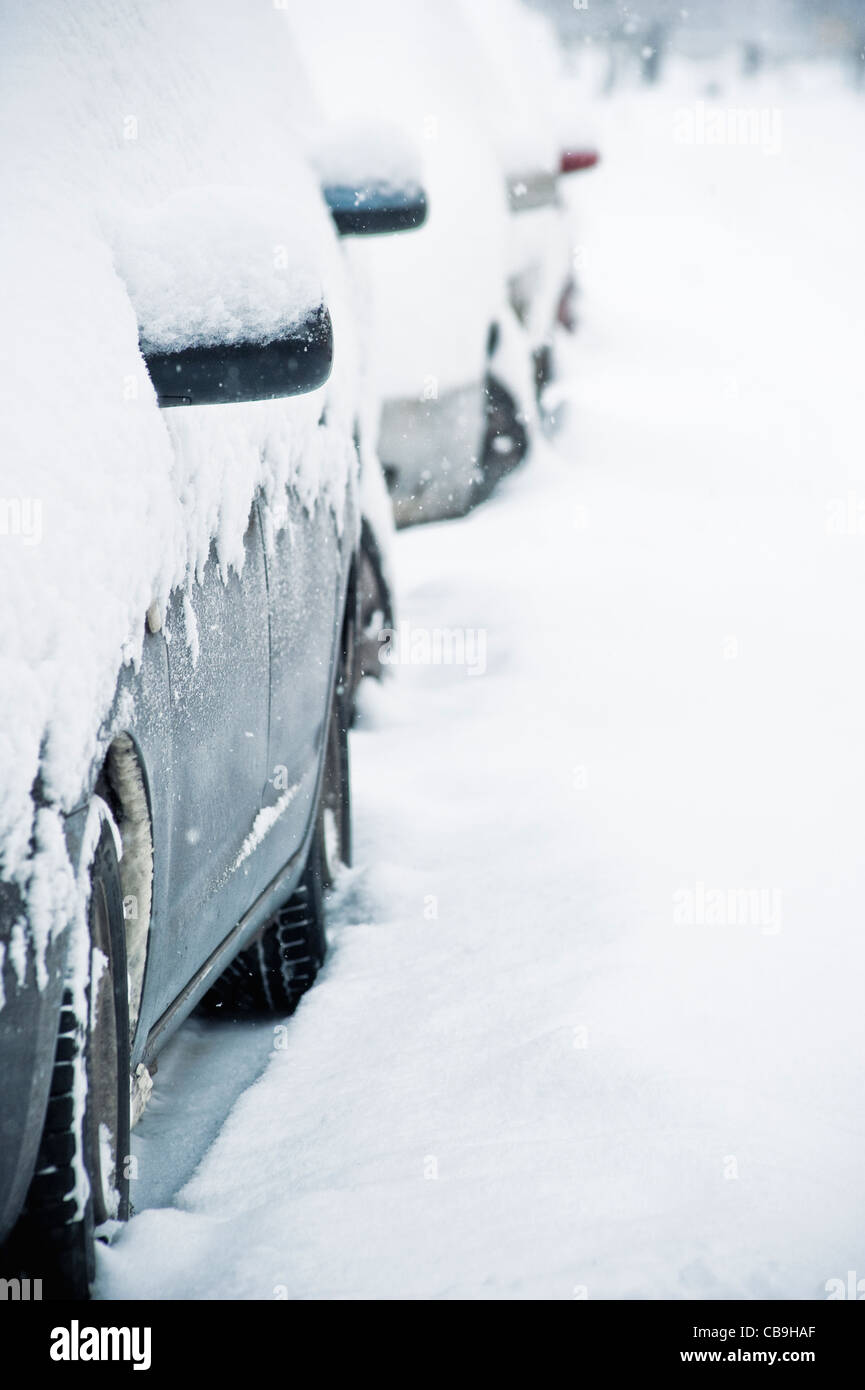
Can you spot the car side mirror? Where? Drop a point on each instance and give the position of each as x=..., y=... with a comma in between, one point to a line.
x=296, y=361
x=221, y=317
x=371, y=208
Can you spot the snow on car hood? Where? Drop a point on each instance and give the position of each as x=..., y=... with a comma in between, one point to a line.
x=125, y=123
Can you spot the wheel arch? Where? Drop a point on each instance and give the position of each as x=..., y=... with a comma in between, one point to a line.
x=123, y=784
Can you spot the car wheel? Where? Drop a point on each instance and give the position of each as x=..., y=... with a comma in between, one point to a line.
x=81, y=1178
x=506, y=439
x=281, y=964
x=545, y=370
x=552, y=407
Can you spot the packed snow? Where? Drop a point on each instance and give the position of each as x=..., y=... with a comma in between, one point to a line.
x=591, y=1024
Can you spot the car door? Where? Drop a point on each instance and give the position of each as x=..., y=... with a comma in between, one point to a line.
x=228, y=332
x=218, y=669
x=305, y=567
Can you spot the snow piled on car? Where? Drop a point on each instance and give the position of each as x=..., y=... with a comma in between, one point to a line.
x=364, y=151
x=517, y=74
x=126, y=125
x=218, y=265
x=436, y=291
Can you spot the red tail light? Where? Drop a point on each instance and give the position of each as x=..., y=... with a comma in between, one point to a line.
x=572, y=161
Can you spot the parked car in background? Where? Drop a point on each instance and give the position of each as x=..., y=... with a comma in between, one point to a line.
x=519, y=94
x=180, y=632
x=434, y=300
x=464, y=316
x=371, y=183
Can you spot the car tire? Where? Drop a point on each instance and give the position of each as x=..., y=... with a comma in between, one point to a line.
x=374, y=612
x=506, y=439
x=552, y=416
x=87, y=1123
x=273, y=973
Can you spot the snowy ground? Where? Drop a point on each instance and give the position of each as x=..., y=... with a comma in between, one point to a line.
x=537, y=1064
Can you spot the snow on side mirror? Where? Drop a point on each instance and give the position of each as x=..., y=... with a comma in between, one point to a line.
x=373, y=208
x=297, y=361
x=371, y=176
x=227, y=291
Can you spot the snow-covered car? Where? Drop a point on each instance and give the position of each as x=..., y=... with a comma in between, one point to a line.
x=464, y=316
x=435, y=300
x=371, y=184
x=180, y=546
x=519, y=95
